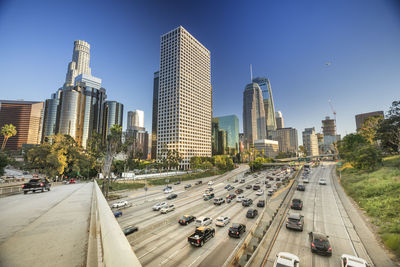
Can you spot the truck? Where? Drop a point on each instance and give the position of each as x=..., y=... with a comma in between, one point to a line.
x=201, y=235
x=36, y=184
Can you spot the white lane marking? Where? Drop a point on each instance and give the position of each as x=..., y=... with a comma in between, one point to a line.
x=147, y=253
x=195, y=260
x=171, y=256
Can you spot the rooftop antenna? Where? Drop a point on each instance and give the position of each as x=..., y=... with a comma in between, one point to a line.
x=251, y=73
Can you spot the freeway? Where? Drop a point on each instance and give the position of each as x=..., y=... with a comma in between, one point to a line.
x=162, y=241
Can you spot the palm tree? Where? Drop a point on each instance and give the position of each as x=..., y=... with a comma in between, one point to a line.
x=7, y=131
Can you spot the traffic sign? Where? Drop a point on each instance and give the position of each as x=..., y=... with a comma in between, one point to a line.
x=339, y=163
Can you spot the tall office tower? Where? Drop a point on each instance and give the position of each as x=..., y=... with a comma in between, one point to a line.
x=279, y=120
x=82, y=109
x=268, y=100
x=51, y=116
x=80, y=62
x=253, y=115
x=360, y=118
x=310, y=141
x=328, y=127
x=231, y=125
x=184, y=97
x=27, y=117
x=214, y=136
x=113, y=114
x=287, y=139
x=156, y=81
x=241, y=142
x=222, y=142
x=135, y=120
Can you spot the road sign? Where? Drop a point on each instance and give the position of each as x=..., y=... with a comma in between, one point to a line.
x=339, y=163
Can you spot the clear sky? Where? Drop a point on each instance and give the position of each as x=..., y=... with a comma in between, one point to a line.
x=289, y=42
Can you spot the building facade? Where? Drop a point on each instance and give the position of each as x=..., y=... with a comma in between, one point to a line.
x=279, y=120
x=328, y=127
x=184, y=97
x=310, y=141
x=80, y=62
x=360, y=118
x=156, y=81
x=51, y=116
x=113, y=114
x=268, y=101
x=27, y=117
x=230, y=124
x=269, y=148
x=287, y=139
x=254, y=127
x=135, y=120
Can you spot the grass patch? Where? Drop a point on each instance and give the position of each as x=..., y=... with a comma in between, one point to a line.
x=116, y=186
x=377, y=193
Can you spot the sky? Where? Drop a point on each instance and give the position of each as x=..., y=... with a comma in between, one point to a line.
x=287, y=41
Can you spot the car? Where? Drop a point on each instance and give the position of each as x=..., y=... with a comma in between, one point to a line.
x=267, y=185
x=72, y=181
x=168, y=190
x=305, y=180
x=203, y=221
x=258, y=182
x=259, y=192
x=117, y=214
x=286, y=259
x=320, y=244
x=270, y=192
x=236, y=180
x=160, y=205
x=236, y=230
x=187, y=186
x=242, y=181
x=261, y=203
x=219, y=201
x=186, y=219
x=247, y=202
x=352, y=261
x=198, y=182
x=256, y=187
x=130, y=229
x=239, y=191
x=172, y=196
x=210, y=183
x=271, y=178
x=248, y=186
x=251, y=213
x=231, y=196
x=36, y=184
x=176, y=183
x=222, y=221
x=210, y=189
x=301, y=187
x=239, y=198
x=227, y=186
x=230, y=188
x=208, y=196
x=297, y=204
x=322, y=181
x=167, y=209
x=278, y=179
x=295, y=221
x=201, y=235
x=120, y=204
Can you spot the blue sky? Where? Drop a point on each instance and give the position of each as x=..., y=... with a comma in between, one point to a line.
x=287, y=41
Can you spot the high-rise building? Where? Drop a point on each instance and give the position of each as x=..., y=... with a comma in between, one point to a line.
x=287, y=139
x=27, y=117
x=222, y=142
x=268, y=148
x=80, y=62
x=113, y=114
x=268, y=101
x=51, y=116
x=328, y=127
x=214, y=136
x=230, y=124
x=184, y=97
x=135, y=120
x=310, y=141
x=241, y=142
x=279, y=120
x=253, y=115
x=360, y=118
x=156, y=82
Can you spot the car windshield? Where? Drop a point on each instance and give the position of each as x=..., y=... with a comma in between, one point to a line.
x=34, y=180
x=321, y=242
x=185, y=218
x=282, y=265
x=220, y=220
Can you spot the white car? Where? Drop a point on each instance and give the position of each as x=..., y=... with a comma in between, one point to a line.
x=305, y=180
x=260, y=192
x=120, y=204
x=239, y=198
x=203, y=221
x=222, y=221
x=160, y=205
x=322, y=181
x=168, y=190
x=286, y=259
x=167, y=209
x=210, y=183
x=352, y=261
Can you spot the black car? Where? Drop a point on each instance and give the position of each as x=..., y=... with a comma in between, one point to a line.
x=256, y=187
x=186, y=219
x=247, y=202
x=278, y=179
x=320, y=244
x=198, y=182
x=295, y=221
x=251, y=213
x=172, y=196
x=297, y=204
x=188, y=186
x=261, y=203
x=131, y=229
x=176, y=183
x=248, y=186
x=242, y=181
x=236, y=230
x=301, y=187
x=36, y=184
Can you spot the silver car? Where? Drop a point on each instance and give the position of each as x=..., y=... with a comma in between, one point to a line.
x=160, y=205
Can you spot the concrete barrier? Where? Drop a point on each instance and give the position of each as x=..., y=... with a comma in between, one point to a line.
x=115, y=248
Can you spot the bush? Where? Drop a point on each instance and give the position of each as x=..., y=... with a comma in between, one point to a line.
x=4, y=161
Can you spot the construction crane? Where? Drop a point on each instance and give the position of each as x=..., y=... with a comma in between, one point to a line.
x=333, y=110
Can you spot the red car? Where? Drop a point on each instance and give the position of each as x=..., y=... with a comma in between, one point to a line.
x=72, y=181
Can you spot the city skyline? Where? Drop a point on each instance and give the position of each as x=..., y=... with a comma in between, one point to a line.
x=303, y=81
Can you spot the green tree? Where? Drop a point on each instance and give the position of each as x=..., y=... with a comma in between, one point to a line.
x=8, y=130
x=350, y=144
x=303, y=150
x=4, y=160
x=369, y=128
x=388, y=132
x=367, y=157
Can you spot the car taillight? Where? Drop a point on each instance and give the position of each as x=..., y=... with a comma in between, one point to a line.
x=198, y=241
x=237, y=233
x=41, y=184
x=312, y=244
x=23, y=186
x=330, y=248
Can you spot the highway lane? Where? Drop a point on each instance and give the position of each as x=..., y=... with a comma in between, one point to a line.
x=322, y=214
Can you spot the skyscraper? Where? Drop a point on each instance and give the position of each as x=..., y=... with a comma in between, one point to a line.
x=230, y=124
x=80, y=62
x=328, y=127
x=287, y=139
x=184, y=97
x=51, y=115
x=154, y=116
x=268, y=100
x=135, y=120
x=279, y=120
x=310, y=141
x=253, y=115
x=113, y=114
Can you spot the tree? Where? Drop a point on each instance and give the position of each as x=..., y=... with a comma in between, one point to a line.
x=388, y=132
x=303, y=150
x=4, y=160
x=367, y=157
x=369, y=128
x=8, y=130
x=350, y=144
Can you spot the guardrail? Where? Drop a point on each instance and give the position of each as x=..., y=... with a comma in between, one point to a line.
x=16, y=189
x=107, y=242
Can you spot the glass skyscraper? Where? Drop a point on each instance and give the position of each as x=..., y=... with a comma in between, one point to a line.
x=268, y=100
x=113, y=114
x=230, y=124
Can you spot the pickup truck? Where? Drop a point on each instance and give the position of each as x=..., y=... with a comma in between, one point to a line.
x=201, y=235
x=36, y=184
